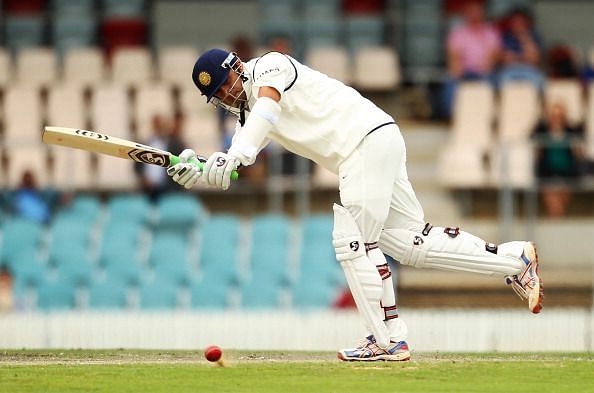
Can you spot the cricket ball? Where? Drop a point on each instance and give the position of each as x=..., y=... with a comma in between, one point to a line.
x=213, y=353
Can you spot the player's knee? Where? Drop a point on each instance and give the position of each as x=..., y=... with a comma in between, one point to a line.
x=405, y=246
x=346, y=236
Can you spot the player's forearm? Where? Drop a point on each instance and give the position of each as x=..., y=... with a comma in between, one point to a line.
x=252, y=136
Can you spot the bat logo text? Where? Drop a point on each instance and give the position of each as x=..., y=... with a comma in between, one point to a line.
x=149, y=157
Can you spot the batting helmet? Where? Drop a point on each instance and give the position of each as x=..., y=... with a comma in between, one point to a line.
x=211, y=71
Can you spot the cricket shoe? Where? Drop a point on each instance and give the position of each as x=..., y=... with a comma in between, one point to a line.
x=527, y=284
x=369, y=351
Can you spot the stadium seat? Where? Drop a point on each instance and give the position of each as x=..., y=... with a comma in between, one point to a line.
x=36, y=67
x=73, y=8
x=76, y=270
x=83, y=66
x=460, y=166
x=115, y=174
x=110, y=111
x=192, y=103
x=107, y=294
x=260, y=294
x=376, y=68
x=519, y=111
x=65, y=107
x=132, y=66
x=332, y=61
x=73, y=32
x=203, y=131
x=19, y=161
x=270, y=248
x=167, y=247
x=279, y=9
x=129, y=208
x=157, y=295
x=68, y=228
x=123, y=8
x=220, y=245
x=5, y=68
x=317, y=228
x=20, y=236
x=120, y=267
x=321, y=8
x=22, y=116
x=120, y=33
x=72, y=169
x=567, y=92
x=513, y=165
x=55, y=295
x=175, y=64
x=173, y=270
x=312, y=293
x=364, y=31
x=179, y=210
x=322, y=32
x=473, y=115
x=23, y=31
x=85, y=207
x=27, y=268
x=209, y=293
x=151, y=99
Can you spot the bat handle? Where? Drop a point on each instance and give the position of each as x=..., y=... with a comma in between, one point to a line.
x=175, y=159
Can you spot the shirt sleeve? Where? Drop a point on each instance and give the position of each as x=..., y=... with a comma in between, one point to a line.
x=273, y=70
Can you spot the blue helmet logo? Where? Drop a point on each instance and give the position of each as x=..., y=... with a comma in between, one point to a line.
x=209, y=74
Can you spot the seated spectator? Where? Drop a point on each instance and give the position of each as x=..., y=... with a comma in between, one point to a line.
x=28, y=202
x=557, y=160
x=6, y=296
x=473, y=51
x=588, y=71
x=522, y=49
x=562, y=62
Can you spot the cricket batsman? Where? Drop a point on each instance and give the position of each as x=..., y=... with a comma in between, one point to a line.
x=277, y=98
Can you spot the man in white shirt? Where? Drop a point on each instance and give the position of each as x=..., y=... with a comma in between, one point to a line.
x=277, y=98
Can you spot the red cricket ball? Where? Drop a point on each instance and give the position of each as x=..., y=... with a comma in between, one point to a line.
x=213, y=353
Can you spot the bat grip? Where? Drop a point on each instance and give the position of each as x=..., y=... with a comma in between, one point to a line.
x=173, y=159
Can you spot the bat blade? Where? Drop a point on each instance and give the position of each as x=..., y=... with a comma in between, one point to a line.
x=105, y=144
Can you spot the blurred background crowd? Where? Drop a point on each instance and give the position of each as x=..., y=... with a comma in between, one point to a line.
x=495, y=100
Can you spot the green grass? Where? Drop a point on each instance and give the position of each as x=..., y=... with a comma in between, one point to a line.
x=185, y=371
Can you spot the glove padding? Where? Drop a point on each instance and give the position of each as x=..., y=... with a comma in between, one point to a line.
x=185, y=173
x=218, y=170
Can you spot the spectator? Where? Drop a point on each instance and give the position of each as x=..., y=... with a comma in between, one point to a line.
x=473, y=50
x=281, y=43
x=28, y=201
x=6, y=297
x=562, y=62
x=154, y=180
x=588, y=71
x=522, y=51
x=176, y=142
x=558, y=159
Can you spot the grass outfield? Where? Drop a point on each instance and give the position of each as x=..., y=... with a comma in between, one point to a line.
x=185, y=371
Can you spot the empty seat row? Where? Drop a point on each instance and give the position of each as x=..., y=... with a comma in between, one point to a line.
x=87, y=66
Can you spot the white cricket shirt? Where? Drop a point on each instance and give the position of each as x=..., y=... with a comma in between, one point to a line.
x=321, y=118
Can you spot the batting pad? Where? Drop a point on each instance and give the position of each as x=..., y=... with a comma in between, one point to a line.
x=361, y=274
x=439, y=250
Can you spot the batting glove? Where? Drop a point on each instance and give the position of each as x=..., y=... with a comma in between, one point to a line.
x=218, y=169
x=184, y=173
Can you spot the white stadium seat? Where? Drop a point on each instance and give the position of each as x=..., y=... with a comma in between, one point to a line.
x=132, y=66
x=71, y=168
x=110, y=111
x=473, y=115
x=22, y=115
x=376, y=68
x=23, y=158
x=202, y=134
x=84, y=66
x=461, y=166
x=517, y=171
x=153, y=99
x=332, y=61
x=176, y=63
x=519, y=111
x=66, y=107
x=192, y=102
x=5, y=68
x=567, y=92
x=115, y=173
x=36, y=67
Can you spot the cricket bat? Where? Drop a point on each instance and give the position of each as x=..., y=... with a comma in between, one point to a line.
x=117, y=147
